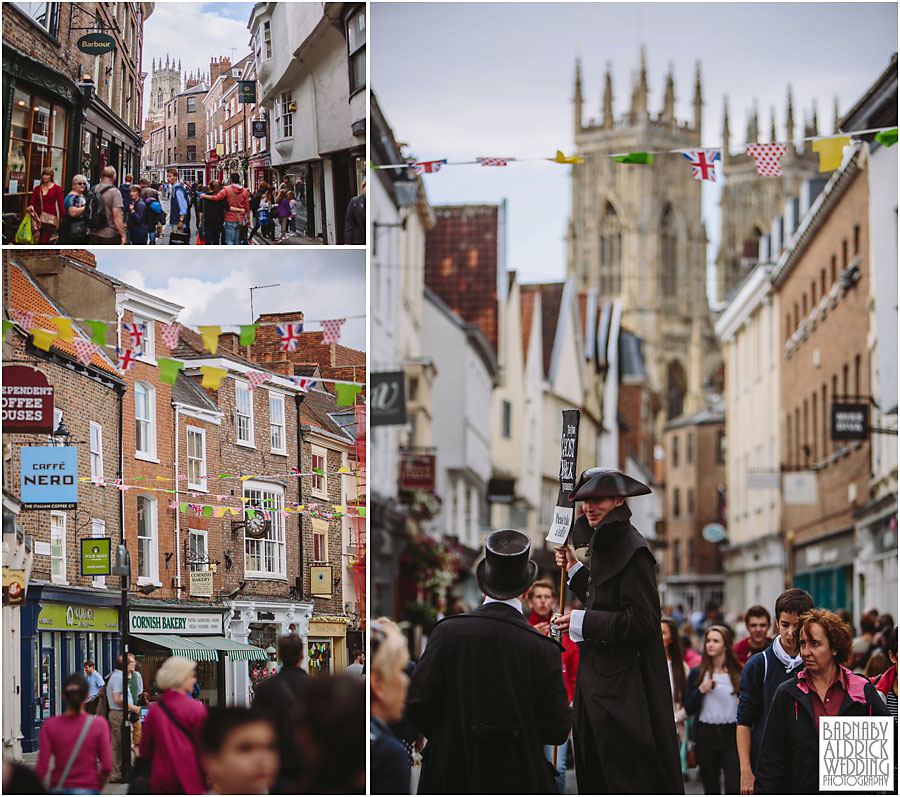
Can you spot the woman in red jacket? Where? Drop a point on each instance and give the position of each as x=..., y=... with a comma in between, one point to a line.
x=46, y=206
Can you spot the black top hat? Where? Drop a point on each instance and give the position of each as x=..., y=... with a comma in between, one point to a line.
x=506, y=572
x=606, y=483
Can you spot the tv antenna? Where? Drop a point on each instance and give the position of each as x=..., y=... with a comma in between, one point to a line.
x=256, y=288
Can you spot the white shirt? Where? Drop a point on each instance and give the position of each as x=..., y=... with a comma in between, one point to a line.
x=514, y=602
x=719, y=704
x=576, y=623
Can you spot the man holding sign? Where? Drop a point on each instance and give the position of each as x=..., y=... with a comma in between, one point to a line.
x=624, y=726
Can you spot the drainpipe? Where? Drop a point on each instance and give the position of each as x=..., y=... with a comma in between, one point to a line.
x=298, y=400
x=177, y=519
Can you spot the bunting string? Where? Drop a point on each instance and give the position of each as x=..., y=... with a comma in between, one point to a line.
x=342, y=471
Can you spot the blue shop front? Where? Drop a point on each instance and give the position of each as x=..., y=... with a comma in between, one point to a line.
x=62, y=627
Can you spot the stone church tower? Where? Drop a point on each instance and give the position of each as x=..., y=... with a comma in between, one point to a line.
x=636, y=234
x=165, y=83
x=750, y=203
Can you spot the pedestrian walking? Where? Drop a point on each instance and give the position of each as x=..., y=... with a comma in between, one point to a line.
x=237, y=209
x=624, y=731
x=886, y=686
x=359, y=660
x=172, y=728
x=388, y=686
x=355, y=223
x=254, y=203
x=77, y=742
x=712, y=695
x=46, y=207
x=179, y=210
x=125, y=191
x=156, y=215
x=758, y=621
x=137, y=216
x=95, y=684
x=73, y=229
x=283, y=209
x=488, y=692
x=823, y=687
x=678, y=671
x=292, y=222
x=212, y=216
x=195, y=201
x=762, y=675
x=105, y=216
x=117, y=698
x=239, y=751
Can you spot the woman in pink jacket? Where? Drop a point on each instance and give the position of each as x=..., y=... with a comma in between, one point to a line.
x=170, y=739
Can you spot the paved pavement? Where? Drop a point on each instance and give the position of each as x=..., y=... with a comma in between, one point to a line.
x=110, y=788
x=692, y=785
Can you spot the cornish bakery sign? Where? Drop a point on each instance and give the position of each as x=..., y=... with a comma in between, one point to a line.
x=141, y=622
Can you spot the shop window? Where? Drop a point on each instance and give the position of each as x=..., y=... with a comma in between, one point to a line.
x=265, y=557
x=243, y=413
x=356, y=48
x=198, y=553
x=96, y=448
x=196, y=458
x=98, y=531
x=58, y=548
x=276, y=423
x=319, y=483
x=144, y=421
x=318, y=657
x=320, y=541
x=148, y=564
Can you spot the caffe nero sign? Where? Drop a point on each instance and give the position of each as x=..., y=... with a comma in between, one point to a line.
x=96, y=43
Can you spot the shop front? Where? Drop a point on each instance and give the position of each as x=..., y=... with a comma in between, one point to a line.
x=61, y=629
x=194, y=632
x=824, y=568
x=326, y=646
x=107, y=141
x=261, y=172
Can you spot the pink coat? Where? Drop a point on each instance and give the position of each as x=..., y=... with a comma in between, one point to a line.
x=175, y=759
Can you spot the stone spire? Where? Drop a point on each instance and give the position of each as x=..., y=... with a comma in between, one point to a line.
x=608, y=99
x=578, y=99
x=773, y=136
x=815, y=120
x=698, y=100
x=167, y=60
x=668, y=110
x=753, y=125
x=837, y=117
x=726, y=130
x=789, y=122
x=639, y=94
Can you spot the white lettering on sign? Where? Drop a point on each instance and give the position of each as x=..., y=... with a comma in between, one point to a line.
x=850, y=422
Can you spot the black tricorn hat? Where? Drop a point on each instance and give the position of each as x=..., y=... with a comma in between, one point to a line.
x=606, y=483
x=506, y=572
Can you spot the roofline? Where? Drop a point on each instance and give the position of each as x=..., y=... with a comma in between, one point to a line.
x=315, y=430
x=872, y=96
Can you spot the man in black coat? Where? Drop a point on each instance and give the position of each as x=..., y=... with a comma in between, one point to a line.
x=355, y=224
x=488, y=692
x=624, y=725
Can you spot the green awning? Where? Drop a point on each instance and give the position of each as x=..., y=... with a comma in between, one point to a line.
x=180, y=646
x=236, y=651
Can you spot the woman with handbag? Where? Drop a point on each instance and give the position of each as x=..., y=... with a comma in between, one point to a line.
x=73, y=229
x=170, y=741
x=77, y=741
x=46, y=206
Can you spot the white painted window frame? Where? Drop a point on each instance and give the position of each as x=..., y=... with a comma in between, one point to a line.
x=243, y=387
x=96, y=473
x=153, y=578
x=319, y=492
x=195, y=430
x=278, y=399
x=151, y=421
x=58, y=579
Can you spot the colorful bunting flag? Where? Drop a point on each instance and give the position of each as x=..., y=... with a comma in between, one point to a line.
x=768, y=158
x=6, y=325
x=346, y=394
x=23, y=318
x=703, y=162
x=248, y=334
x=197, y=509
x=304, y=383
x=494, y=161
x=98, y=332
x=428, y=167
x=289, y=333
x=887, y=137
x=212, y=377
x=84, y=350
x=42, y=338
x=634, y=157
x=136, y=333
x=64, y=329
x=169, y=334
x=168, y=370
x=332, y=330
x=570, y=159
x=256, y=378
x=210, y=337
x=831, y=152
x=125, y=361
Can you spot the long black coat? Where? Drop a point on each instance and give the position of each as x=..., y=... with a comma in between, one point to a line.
x=625, y=741
x=488, y=694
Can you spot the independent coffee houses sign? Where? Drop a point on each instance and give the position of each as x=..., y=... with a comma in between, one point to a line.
x=96, y=43
x=387, y=399
x=72, y=617
x=849, y=421
x=48, y=478
x=144, y=622
x=246, y=91
x=27, y=401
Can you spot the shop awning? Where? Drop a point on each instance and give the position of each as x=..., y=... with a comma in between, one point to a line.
x=181, y=646
x=235, y=650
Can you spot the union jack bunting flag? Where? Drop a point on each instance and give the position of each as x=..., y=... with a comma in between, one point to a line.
x=136, y=333
x=703, y=162
x=304, y=383
x=289, y=334
x=494, y=161
x=125, y=359
x=266, y=513
x=428, y=167
x=198, y=509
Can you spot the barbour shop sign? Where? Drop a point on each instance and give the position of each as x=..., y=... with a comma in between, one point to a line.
x=96, y=43
x=143, y=622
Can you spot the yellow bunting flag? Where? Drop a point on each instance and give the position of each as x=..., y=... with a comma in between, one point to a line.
x=43, y=338
x=64, y=328
x=220, y=511
x=570, y=159
x=337, y=508
x=831, y=151
x=210, y=337
x=212, y=376
x=343, y=469
x=244, y=478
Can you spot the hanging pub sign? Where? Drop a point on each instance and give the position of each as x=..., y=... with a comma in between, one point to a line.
x=96, y=43
x=27, y=401
x=564, y=511
x=387, y=400
x=95, y=556
x=849, y=421
x=13, y=587
x=259, y=129
x=417, y=472
x=49, y=477
x=246, y=91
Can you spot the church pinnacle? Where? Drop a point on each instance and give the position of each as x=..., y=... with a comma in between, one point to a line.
x=578, y=99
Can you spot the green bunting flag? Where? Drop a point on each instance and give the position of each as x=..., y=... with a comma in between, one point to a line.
x=634, y=157
x=6, y=325
x=887, y=137
x=182, y=508
x=346, y=394
x=248, y=334
x=319, y=471
x=168, y=370
x=98, y=332
x=361, y=511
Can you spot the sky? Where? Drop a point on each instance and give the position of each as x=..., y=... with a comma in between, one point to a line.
x=213, y=285
x=195, y=33
x=463, y=80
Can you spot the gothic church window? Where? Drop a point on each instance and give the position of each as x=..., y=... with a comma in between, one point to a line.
x=610, y=244
x=667, y=264
x=676, y=386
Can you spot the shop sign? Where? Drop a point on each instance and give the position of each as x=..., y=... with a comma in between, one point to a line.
x=388, y=399
x=62, y=617
x=37, y=138
x=501, y=490
x=417, y=472
x=799, y=488
x=849, y=421
x=246, y=91
x=96, y=43
x=259, y=129
x=95, y=556
x=48, y=477
x=201, y=583
x=27, y=401
x=714, y=532
x=213, y=156
x=220, y=149
x=144, y=622
x=13, y=587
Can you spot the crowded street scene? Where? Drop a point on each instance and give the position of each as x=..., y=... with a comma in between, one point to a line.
x=184, y=523
x=633, y=399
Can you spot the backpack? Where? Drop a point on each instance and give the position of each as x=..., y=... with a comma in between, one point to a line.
x=95, y=209
x=254, y=203
x=157, y=213
x=100, y=704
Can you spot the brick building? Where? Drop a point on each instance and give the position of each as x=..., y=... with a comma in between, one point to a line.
x=66, y=617
x=86, y=108
x=185, y=124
